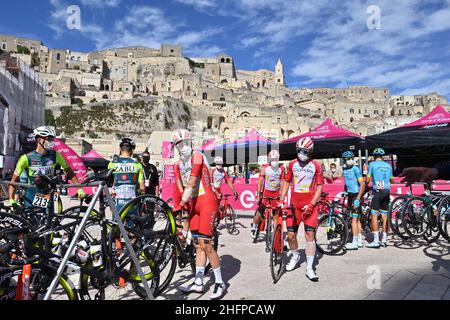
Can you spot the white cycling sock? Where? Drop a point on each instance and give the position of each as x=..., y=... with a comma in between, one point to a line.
x=199, y=274
x=254, y=226
x=218, y=275
x=360, y=238
x=384, y=236
x=375, y=236
x=309, y=262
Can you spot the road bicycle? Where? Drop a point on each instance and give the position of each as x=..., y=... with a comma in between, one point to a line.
x=332, y=230
x=268, y=215
x=226, y=212
x=278, y=244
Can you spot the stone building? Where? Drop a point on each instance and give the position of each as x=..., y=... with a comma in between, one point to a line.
x=22, y=104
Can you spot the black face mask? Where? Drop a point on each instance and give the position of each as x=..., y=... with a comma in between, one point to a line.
x=146, y=160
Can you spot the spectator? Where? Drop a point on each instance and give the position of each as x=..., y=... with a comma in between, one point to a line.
x=332, y=174
x=247, y=176
x=235, y=176
x=255, y=174
x=151, y=175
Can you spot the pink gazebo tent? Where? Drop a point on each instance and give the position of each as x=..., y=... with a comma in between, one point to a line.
x=330, y=141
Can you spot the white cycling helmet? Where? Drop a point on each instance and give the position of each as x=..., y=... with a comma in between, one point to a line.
x=305, y=144
x=180, y=135
x=274, y=155
x=44, y=132
x=218, y=160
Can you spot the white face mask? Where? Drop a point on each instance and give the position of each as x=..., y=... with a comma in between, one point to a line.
x=302, y=157
x=350, y=163
x=219, y=166
x=275, y=164
x=333, y=170
x=186, y=151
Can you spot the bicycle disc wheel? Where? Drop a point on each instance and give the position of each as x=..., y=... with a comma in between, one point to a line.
x=277, y=259
x=332, y=236
x=414, y=216
x=230, y=219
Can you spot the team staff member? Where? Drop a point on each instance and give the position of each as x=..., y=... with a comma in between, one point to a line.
x=41, y=161
x=355, y=186
x=380, y=173
x=219, y=175
x=199, y=194
x=128, y=174
x=151, y=177
x=307, y=178
x=269, y=181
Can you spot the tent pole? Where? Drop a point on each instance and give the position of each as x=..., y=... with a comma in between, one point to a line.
x=359, y=160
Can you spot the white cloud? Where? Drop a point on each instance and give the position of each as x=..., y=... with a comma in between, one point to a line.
x=101, y=3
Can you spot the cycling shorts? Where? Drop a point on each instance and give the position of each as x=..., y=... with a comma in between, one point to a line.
x=351, y=199
x=203, y=215
x=380, y=200
x=293, y=220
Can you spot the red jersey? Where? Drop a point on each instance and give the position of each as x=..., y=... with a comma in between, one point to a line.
x=304, y=179
x=198, y=167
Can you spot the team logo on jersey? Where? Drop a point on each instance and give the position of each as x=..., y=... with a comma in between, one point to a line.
x=124, y=177
x=125, y=168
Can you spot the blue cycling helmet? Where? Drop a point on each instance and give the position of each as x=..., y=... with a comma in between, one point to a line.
x=348, y=154
x=378, y=152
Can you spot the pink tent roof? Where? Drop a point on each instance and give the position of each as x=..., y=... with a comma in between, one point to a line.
x=92, y=155
x=253, y=135
x=326, y=130
x=208, y=145
x=436, y=116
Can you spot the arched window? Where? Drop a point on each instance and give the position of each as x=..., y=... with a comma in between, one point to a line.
x=228, y=60
x=107, y=87
x=264, y=83
x=244, y=114
x=221, y=120
x=205, y=96
x=222, y=98
x=222, y=60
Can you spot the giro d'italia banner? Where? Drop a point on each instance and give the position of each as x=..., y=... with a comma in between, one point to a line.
x=74, y=161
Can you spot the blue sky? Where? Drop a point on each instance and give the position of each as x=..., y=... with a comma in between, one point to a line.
x=321, y=42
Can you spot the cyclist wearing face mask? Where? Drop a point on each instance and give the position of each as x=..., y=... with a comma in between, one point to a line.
x=219, y=175
x=354, y=185
x=41, y=161
x=270, y=181
x=195, y=173
x=307, y=178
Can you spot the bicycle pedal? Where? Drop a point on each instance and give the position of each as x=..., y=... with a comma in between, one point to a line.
x=122, y=282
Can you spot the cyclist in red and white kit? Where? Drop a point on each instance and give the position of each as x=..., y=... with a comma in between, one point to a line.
x=269, y=185
x=198, y=192
x=219, y=175
x=306, y=177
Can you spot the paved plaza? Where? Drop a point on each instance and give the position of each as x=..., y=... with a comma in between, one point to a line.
x=403, y=270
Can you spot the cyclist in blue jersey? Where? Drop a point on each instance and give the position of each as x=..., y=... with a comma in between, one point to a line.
x=354, y=185
x=128, y=174
x=380, y=173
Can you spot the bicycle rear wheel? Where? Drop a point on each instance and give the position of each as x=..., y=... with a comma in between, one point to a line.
x=415, y=215
x=277, y=254
x=395, y=217
x=332, y=236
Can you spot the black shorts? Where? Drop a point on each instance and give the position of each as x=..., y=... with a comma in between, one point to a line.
x=351, y=198
x=380, y=200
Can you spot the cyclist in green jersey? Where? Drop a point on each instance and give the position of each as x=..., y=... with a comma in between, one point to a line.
x=128, y=174
x=41, y=161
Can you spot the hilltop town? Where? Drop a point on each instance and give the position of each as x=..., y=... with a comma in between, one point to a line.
x=141, y=91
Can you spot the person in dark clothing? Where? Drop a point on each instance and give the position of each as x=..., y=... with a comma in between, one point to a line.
x=8, y=175
x=151, y=176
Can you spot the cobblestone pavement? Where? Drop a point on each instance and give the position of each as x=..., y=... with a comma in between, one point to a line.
x=403, y=270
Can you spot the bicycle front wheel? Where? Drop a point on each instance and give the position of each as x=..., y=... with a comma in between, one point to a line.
x=415, y=215
x=444, y=218
x=277, y=259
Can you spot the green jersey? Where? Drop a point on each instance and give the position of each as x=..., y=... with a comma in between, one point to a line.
x=34, y=164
